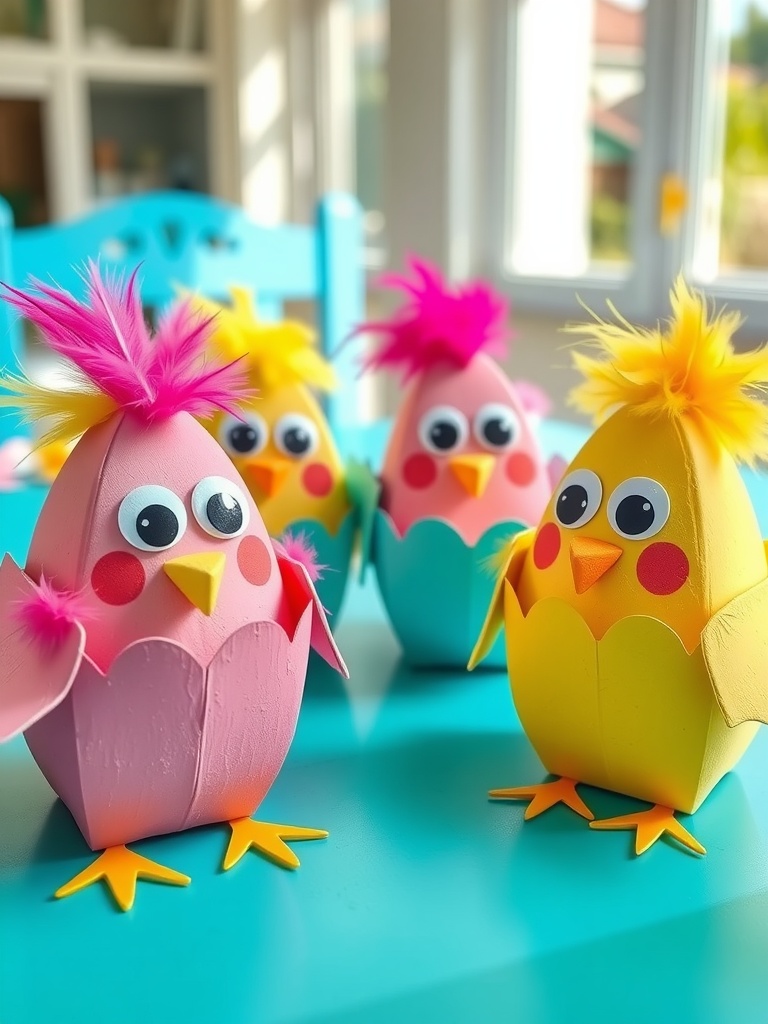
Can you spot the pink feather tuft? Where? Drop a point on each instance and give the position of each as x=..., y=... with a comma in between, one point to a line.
x=533, y=399
x=437, y=324
x=107, y=339
x=49, y=614
x=299, y=548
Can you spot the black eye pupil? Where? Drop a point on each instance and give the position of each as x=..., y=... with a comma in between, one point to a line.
x=243, y=438
x=635, y=514
x=498, y=431
x=444, y=435
x=297, y=440
x=224, y=513
x=572, y=504
x=157, y=525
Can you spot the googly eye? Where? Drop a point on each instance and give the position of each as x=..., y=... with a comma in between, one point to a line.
x=152, y=518
x=443, y=429
x=638, y=508
x=496, y=426
x=296, y=435
x=246, y=436
x=220, y=507
x=578, y=498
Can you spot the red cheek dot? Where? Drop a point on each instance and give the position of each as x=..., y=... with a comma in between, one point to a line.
x=546, y=547
x=662, y=568
x=253, y=561
x=419, y=471
x=521, y=469
x=317, y=479
x=118, y=578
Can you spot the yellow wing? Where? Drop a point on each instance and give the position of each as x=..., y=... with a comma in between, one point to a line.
x=735, y=646
x=494, y=619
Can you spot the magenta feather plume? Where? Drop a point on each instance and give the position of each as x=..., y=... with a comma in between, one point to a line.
x=299, y=548
x=437, y=323
x=106, y=337
x=48, y=615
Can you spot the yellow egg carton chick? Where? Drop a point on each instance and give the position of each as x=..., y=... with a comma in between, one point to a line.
x=282, y=446
x=635, y=613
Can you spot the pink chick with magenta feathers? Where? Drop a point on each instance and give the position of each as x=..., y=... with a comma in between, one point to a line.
x=462, y=470
x=154, y=649
x=462, y=449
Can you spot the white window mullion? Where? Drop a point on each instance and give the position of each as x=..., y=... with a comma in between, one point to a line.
x=699, y=251
x=264, y=117
x=335, y=96
x=670, y=46
x=703, y=158
x=548, y=204
x=67, y=122
x=542, y=145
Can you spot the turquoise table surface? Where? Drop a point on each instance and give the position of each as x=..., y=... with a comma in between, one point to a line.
x=427, y=903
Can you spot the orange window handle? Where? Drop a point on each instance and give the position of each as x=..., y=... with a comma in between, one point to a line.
x=673, y=200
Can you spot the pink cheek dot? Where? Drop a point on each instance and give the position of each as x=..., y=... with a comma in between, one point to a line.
x=419, y=471
x=662, y=568
x=118, y=578
x=317, y=479
x=253, y=561
x=521, y=469
x=546, y=547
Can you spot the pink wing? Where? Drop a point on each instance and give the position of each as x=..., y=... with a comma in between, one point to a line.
x=33, y=680
x=533, y=399
x=300, y=592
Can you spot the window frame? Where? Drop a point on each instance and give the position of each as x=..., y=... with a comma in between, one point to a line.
x=677, y=126
x=746, y=289
x=468, y=49
x=635, y=291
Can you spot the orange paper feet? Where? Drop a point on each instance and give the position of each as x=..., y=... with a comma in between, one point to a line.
x=120, y=868
x=651, y=826
x=267, y=838
x=546, y=795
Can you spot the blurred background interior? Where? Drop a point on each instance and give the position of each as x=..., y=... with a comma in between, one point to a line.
x=559, y=148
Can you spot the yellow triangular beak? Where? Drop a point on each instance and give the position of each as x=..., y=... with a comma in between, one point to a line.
x=473, y=472
x=198, y=577
x=268, y=474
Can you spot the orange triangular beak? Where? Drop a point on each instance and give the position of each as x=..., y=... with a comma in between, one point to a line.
x=268, y=474
x=591, y=559
x=473, y=472
x=198, y=577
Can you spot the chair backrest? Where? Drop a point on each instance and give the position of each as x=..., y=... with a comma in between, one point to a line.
x=193, y=240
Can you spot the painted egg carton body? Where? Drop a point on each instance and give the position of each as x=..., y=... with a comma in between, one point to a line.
x=634, y=613
x=155, y=649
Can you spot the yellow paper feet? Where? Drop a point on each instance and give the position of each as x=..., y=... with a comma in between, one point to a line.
x=544, y=796
x=651, y=826
x=120, y=868
x=267, y=838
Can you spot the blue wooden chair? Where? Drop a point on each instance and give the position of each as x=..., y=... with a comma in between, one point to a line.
x=183, y=238
x=193, y=240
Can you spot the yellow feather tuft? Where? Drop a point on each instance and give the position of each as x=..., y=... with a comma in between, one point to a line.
x=686, y=368
x=67, y=413
x=496, y=563
x=277, y=354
